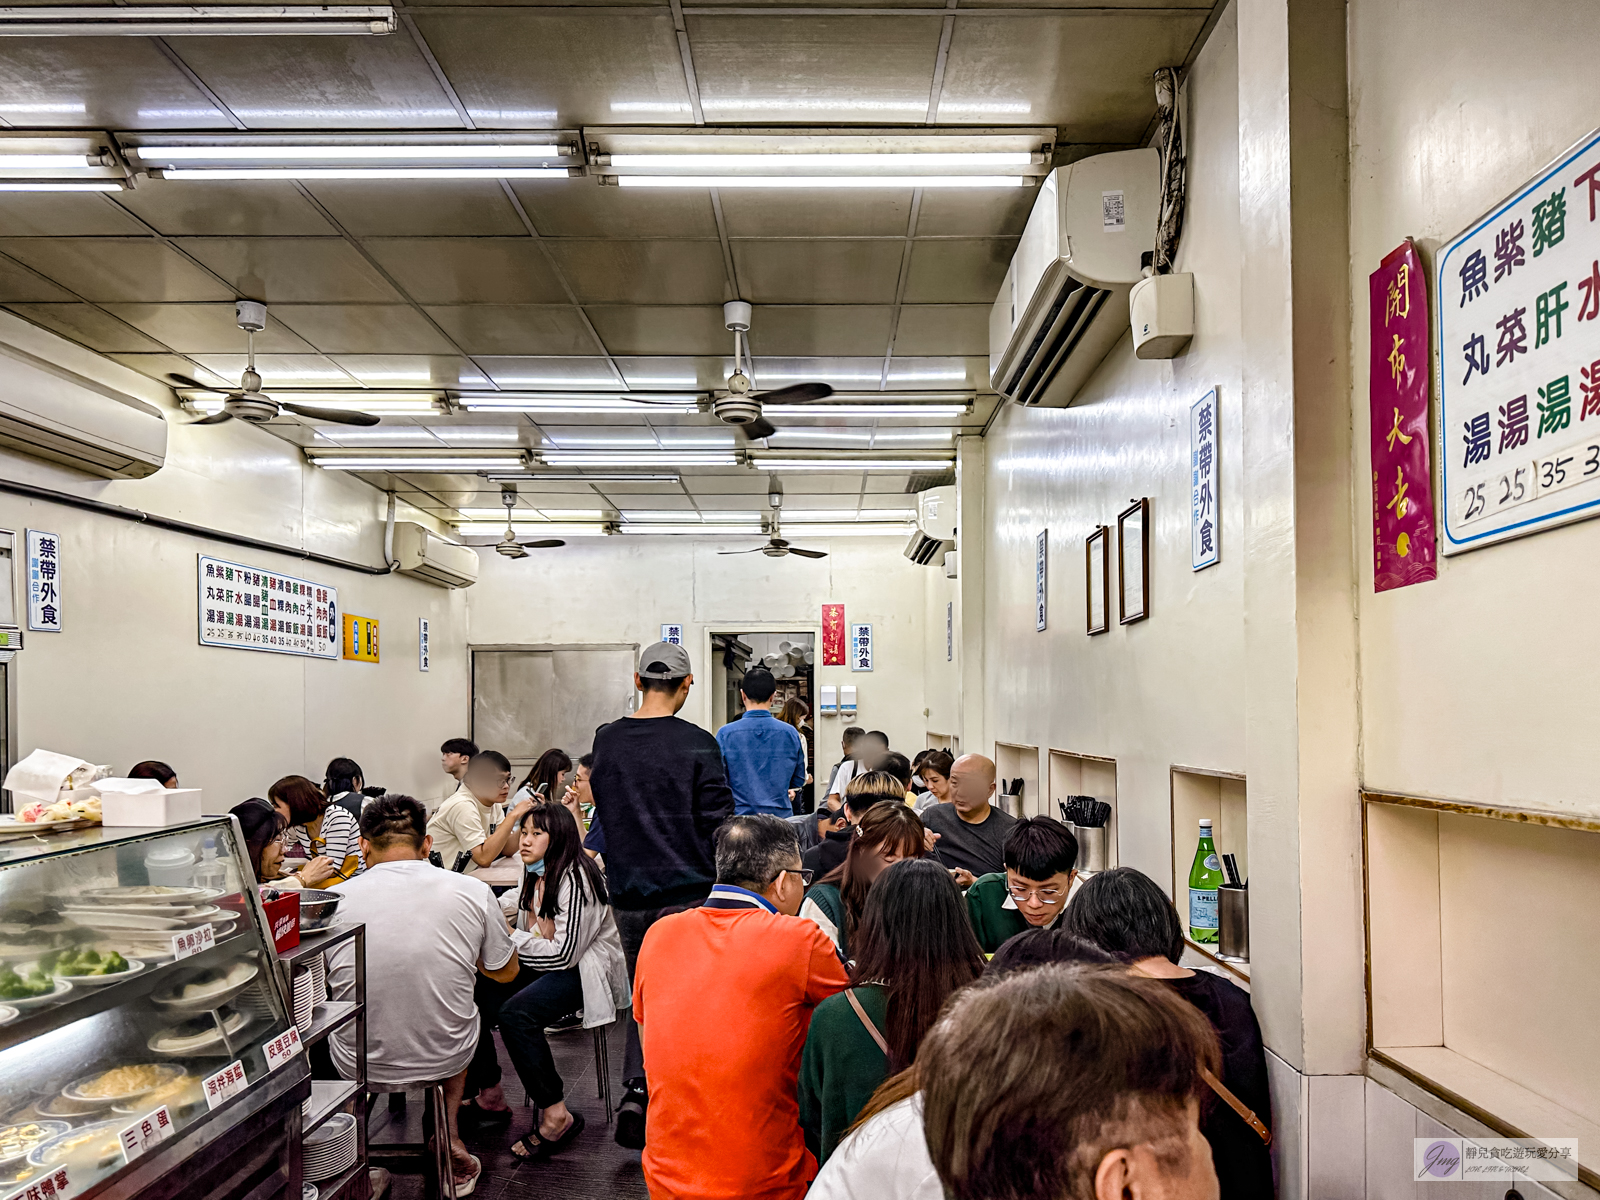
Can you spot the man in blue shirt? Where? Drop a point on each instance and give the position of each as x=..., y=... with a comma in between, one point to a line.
x=763, y=756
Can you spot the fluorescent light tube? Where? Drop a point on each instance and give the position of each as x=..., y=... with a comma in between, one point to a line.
x=824, y=181
x=578, y=403
x=857, y=529
x=687, y=516
x=539, y=516
x=419, y=463
x=203, y=173
x=46, y=162
x=836, y=516
x=205, y=21
x=60, y=185
x=703, y=530
x=586, y=477
x=858, y=163
x=526, y=530
x=376, y=403
x=156, y=153
x=626, y=458
x=865, y=410
x=853, y=464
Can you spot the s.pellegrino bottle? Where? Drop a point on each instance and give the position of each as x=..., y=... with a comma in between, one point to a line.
x=1204, y=879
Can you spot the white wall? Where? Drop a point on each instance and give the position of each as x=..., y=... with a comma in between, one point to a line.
x=127, y=679
x=1168, y=690
x=622, y=589
x=1473, y=686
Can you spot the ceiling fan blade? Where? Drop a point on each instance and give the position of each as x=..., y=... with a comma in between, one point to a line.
x=338, y=416
x=543, y=544
x=759, y=428
x=216, y=418
x=752, y=550
x=797, y=393
x=808, y=553
x=186, y=382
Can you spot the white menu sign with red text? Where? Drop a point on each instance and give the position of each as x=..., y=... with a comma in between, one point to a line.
x=250, y=608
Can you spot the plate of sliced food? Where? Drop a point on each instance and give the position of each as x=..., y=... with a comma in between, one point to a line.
x=207, y=989
x=120, y=1084
x=200, y=1035
x=18, y=1141
x=144, y=894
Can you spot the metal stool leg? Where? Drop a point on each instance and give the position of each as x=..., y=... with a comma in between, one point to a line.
x=438, y=1118
x=602, y=1069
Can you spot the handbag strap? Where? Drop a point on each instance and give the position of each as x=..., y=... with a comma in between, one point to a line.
x=855, y=1003
x=1237, y=1105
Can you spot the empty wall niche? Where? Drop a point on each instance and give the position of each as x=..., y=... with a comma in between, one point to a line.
x=1219, y=796
x=1011, y=763
x=1086, y=775
x=1482, y=925
x=948, y=742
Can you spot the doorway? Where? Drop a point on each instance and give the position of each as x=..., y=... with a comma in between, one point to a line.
x=528, y=699
x=791, y=657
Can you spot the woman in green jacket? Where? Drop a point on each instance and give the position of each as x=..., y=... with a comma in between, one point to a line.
x=888, y=832
x=914, y=946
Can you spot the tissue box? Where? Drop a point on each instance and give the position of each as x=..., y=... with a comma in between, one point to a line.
x=164, y=806
x=283, y=918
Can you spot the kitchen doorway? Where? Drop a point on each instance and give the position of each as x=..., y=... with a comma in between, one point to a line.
x=790, y=656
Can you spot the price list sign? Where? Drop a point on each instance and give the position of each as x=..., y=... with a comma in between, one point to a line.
x=247, y=608
x=1519, y=359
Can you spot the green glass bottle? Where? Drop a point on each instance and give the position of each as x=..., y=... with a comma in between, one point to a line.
x=1204, y=879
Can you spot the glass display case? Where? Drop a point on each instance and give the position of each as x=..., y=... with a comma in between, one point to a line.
x=142, y=1015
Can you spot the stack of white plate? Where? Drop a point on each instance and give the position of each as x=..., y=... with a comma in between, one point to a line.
x=330, y=1150
x=318, y=968
x=305, y=999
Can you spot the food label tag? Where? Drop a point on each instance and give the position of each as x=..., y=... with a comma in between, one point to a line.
x=225, y=1084
x=282, y=1048
x=47, y=1187
x=193, y=941
x=149, y=1130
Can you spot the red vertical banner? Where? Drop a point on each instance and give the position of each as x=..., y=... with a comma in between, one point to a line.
x=1403, y=550
x=833, y=635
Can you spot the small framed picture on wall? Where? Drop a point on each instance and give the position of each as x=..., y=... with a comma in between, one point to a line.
x=1133, y=562
x=1097, y=579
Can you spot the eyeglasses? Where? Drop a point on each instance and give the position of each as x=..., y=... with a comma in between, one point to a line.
x=493, y=777
x=1051, y=896
x=804, y=873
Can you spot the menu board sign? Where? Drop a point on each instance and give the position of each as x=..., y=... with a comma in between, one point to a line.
x=249, y=608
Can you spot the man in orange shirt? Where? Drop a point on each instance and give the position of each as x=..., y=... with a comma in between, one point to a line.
x=723, y=996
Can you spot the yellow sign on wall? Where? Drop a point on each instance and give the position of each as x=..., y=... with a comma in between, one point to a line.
x=361, y=638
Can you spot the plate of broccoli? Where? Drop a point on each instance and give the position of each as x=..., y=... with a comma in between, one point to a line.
x=90, y=967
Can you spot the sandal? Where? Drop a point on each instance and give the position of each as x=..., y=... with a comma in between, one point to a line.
x=533, y=1148
x=465, y=1189
x=472, y=1111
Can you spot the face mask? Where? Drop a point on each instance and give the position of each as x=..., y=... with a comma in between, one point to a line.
x=537, y=868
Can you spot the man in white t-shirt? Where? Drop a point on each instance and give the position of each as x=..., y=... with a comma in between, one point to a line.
x=429, y=934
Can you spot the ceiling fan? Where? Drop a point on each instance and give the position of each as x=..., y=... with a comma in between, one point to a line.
x=508, y=546
x=776, y=546
x=247, y=402
x=740, y=406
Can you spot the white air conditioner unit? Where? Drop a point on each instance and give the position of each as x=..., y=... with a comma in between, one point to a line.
x=1064, y=302
x=49, y=410
x=936, y=511
x=423, y=554
x=927, y=551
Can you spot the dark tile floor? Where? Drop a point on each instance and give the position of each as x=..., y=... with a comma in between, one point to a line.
x=593, y=1168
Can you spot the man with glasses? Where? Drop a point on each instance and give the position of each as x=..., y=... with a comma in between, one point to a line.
x=1040, y=855
x=472, y=826
x=723, y=995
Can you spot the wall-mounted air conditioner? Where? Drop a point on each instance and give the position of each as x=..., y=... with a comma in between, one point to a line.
x=1064, y=302
x=424, y=555
x=927, y=551
x=56, y=404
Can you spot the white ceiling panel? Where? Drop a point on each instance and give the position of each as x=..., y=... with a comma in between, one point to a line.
x=942, y=329
x=808, y=330
x=420, y=207
x=61, y=215
x=516, y=328
x=643, y=272
x=255, y=208
x=582, y=208
x=958, y=270
x=412, y=370
x=364, y=328
x=291, y=269
x=207, y=328
x=469, y=270
x=548, y=373
x=115, y=269
x=661, y=329
x=105, y=83
x=281, y=370
x=754, y=212
x=88, y=325
x=819, y=272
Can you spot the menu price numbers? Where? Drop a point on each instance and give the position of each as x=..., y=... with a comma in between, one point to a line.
x=225, y=1084
x=47, y=1187
x=282, y=1048
x=1530, y=481
x=149, y=1130
x=193, y=941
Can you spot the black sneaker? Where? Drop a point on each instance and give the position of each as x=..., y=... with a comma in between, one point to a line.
x=569, y=1022
x=630, y=1118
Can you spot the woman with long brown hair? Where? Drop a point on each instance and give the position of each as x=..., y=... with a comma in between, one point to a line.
x=914, y=947
x=886, y=834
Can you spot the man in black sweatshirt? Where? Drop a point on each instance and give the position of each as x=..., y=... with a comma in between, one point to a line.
x=660, y=792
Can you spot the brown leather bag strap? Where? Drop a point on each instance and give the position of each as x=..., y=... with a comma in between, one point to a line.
x=850, y=995
x=1238, y=1106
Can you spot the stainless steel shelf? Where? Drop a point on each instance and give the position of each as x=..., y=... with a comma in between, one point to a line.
x=329, y=1016
x=326, y=1097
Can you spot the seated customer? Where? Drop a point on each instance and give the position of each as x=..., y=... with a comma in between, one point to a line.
x=571, y=956
x=460, y=827
x=264, y=825
x=429, y=933
x=723, y=995
x=887, y=834
x=914, y=948
x=861, y=793
x=154, y=768
x=935, y=773
x=1125, y=912
x=1040, y=947
x=316, y=830
x=972, y=832
x=1039, y=856
x=1068, y=1081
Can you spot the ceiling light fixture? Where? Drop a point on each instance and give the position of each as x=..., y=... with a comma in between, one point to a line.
x=861, y=529
x=497, y=529
x=539, y=516
x=419, y=462
x=753, y=530
x=61, y=185
x=868, y=410
x=639, y=458
x=865, y=164
x=72, y=162
x=156, y=152
x=820, y=181
x=203, y=21
x=585, y=477
x=360, y=173
x=378, y=404
x=356, y=156
x=852, y=464
x=837, y=516
x=688, y=516
x=578, y=402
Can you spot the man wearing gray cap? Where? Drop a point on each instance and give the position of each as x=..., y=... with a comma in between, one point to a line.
x=660, y=792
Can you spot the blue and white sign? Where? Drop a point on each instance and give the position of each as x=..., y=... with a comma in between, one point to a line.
x=1041, y=580
x=1518, y=298
x=861, y=647
x=1205, y=512
x=672, y=634
x=44, y=581
x=424, y=650
x=950, y=631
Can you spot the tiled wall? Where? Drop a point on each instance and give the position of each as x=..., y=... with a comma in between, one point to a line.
x=1347, y=1137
